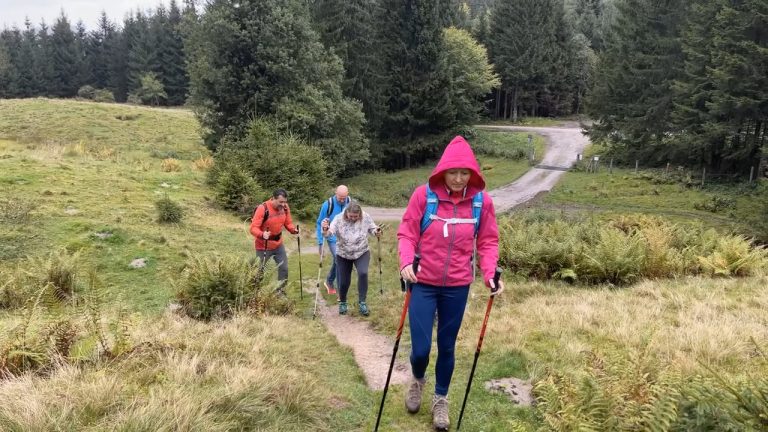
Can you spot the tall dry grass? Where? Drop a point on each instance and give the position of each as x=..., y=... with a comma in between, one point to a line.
x=186, y=375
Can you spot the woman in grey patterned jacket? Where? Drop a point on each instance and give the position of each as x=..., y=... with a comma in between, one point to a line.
x=352, y=228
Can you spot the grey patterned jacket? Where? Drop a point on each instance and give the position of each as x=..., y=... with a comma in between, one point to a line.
x=351, y=237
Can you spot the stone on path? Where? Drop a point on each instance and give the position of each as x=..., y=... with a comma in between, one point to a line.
x=138, y=263
x=517, y=390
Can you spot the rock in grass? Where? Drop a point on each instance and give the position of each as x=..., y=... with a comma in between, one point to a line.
x=138, y=263
x=517, y=390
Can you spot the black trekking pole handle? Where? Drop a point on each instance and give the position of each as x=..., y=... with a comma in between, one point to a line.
x=494, y=288
x=415, y=264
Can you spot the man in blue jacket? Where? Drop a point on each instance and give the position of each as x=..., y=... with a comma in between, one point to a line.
x=331, y=207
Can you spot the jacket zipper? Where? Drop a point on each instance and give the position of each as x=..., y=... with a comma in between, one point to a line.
x=450, y=248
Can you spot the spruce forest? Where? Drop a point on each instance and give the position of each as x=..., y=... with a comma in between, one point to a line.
x=380, y=83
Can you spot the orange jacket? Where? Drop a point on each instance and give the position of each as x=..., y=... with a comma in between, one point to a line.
x=274, y=224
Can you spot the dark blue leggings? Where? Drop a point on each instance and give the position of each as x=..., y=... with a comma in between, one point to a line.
x=449, y=302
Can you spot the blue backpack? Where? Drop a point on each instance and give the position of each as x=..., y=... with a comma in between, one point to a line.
x=430, y=213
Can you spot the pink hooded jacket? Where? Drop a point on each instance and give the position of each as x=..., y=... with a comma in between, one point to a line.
x=446, y=261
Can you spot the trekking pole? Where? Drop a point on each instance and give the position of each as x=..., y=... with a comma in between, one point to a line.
x=381, y=283
x=415, y=265
x=496, y=277
x=301, y=276
x=264, y=259
x=317, y=284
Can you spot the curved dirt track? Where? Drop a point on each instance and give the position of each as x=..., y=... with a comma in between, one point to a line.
x=563, y=144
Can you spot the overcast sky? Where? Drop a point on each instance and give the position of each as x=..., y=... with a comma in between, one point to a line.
x=14, y=11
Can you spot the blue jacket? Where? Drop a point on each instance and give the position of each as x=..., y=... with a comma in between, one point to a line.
x=337, y=208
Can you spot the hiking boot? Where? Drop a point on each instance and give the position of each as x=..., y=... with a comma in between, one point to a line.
x=440, y=413
x=342, y=308
x=364, y=311
x=329, y=288
x=413, y=395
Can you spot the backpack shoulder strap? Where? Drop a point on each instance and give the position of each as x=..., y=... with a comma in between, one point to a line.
x=477, y=207
x=266, y=214
x=430, y=210
x=329, y=210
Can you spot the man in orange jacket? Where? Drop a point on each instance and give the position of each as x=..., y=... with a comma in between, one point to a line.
x=267, y=227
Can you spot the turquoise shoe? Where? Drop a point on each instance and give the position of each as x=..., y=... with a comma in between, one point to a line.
x=364, y=309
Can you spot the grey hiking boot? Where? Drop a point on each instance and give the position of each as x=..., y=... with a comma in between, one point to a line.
x=413, y=395
x=440, y=413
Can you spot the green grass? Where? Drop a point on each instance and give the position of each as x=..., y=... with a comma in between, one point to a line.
x=625, y=191
x=532, y=121
x=393, y=189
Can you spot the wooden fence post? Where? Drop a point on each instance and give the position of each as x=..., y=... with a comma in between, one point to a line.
x=637, y=163
x=703, y=175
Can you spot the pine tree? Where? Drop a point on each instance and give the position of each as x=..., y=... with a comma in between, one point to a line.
x=99, y=43
x=84, y=73
x=8, y=72
x=26, y=63
x=720, y=109
x=173, y=59
x=44, y=61
x=411, y=43
x=65, y=59
x=524, y=48
x=262, y=57
x=632, y=97
x=345, y=27
x=142, y=50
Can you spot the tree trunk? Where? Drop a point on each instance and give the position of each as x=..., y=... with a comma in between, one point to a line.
x=498, y=102
x=514, y=104
x=506, y=104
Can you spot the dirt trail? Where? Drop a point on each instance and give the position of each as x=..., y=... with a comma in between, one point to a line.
x=563, y=144
x=372, y=351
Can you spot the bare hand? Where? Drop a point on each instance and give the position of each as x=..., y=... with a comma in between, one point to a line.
x=325, y=224
x=378, y=232
x=266, y=235
x=319, y=249
x=499, y=290
x=408, y=275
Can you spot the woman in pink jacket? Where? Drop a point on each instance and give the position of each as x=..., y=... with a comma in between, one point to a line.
x=445, y=272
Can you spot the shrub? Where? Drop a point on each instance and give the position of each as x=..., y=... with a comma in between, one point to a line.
x=168, y=211
x=86, y=92
x=734, y=256
x=715, y=204
x=103, y=95
x=217, y=287
x=203, y=163
x=621, y=250
x=170, y=165
x=59, y=270
x=623, y=392
x=291, y=164
x=234, y=188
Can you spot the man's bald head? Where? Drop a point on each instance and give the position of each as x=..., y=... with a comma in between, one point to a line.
x=342, y=192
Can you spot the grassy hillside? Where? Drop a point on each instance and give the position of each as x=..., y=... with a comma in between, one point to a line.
x=80, y=177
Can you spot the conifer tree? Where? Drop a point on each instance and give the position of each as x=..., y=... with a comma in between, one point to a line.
x=64, y=58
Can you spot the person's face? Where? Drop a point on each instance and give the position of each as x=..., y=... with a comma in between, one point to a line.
x=279, y=202
x=456, y=179
x=341, y=196
x=353, y=217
